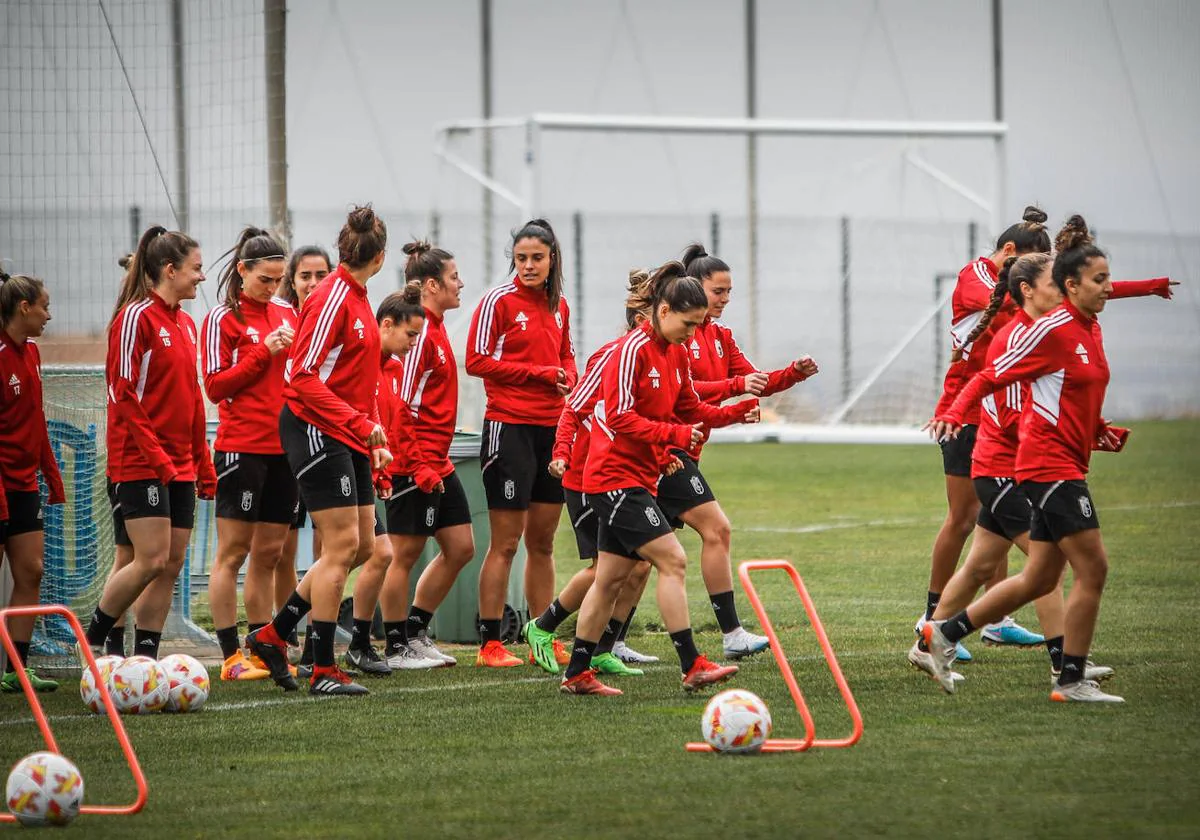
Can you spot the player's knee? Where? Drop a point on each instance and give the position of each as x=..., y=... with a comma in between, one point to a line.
x=638, y=574
x=718, y=532
x=673, y=564
x=1094, y=575
x=505, y=549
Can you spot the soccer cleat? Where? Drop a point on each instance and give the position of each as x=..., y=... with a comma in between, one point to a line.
x=606, y=663
x=1091, y=671
x=423, y=646
x=586, y=683
x=255, y=662
x=238, y=668
x=304, y=671
x=331, y=681
x=1007, y=633
x=961, y=654
x=630, y=656
x=704, y=673
x=561, y=655
x=273, y=653
x=1084, y=691
x=496, y=655
x=10, y=682
x=741, y=643
x=406, y=658
x=541, y=647
x=941, y=654
x=368, y=662
x=922, y=661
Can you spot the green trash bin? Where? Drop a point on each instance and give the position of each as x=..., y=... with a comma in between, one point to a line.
x=456, y=620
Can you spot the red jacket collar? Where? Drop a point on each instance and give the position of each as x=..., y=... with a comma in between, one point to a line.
x=1077, y=315
x=652, y=334
x=343, y=273
x=246, y=302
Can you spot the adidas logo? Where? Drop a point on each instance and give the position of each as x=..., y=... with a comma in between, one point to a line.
x=13, y=380
x=358, y=324
x=394, y=632
x=653, y=374
x=1082, y=353
x=521, y=318
x=147, y=642
x=293, y=609
x=251, y=331
x=162, y=333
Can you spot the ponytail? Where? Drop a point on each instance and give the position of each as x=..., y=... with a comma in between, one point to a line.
x=253, y=245
x=637, y=297
x=15, y=289
x=670, y=284
x=157, y=248
x=700, y=264
x=540, y=230
x=1029, y=235
x=424, y=261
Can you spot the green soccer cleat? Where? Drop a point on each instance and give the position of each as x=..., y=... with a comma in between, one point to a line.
x=541, y=647
x=608, y=663
x=10, y=682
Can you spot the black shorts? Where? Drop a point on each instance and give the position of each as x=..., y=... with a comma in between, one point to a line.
x=684, y=490
x=413, y=513
x=146, y=498
x=627, y=520
x=1060, y=509
x=255, y=488
x=514, y=461
x=299, y=513
x=956, y=452
x=380, y=529
x=583, y=523
x=329, y=472
x=24, y=512
x=1003, y=508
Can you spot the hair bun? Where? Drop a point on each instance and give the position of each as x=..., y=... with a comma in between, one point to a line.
x=361, y=219
x=418, y=247
x=1074, y=234
x=1035, y=214
x=125, y=261
x=412, y=292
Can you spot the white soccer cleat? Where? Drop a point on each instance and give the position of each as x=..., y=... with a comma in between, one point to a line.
x=1092, y=671
x=405, y=658
x=741, y=643
x=632, y=657
x=941, y=654
x=922, y=661
x=425, y=648
x=1084, y=691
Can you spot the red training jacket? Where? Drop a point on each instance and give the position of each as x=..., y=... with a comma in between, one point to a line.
x=242, y=377
x=333, y=368
x=644, y=396
x=24, y=439
x=516, y=346
x=571, y=444
x=156, y=422
x=396, y=417
x=430, y=390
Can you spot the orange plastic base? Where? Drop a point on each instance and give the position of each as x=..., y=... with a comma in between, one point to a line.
x=810, y=740
x=39, y=715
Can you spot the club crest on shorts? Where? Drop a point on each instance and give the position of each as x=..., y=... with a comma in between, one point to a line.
x=345, y=485
x=510, y=489
x=652, y=517
x=247, y=500
x=430, y=514
x=152, y=495
x=698, y=485
x=1085, y=507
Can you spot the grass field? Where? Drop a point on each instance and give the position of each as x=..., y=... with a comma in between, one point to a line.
x=466, y=753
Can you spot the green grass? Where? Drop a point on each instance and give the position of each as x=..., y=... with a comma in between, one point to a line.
x=465, y=753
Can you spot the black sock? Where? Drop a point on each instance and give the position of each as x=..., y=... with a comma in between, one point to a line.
x=22, y=657
x=114, y=643
x=418, y=622
x=360, y=636
x=286, y=619
x=250, y=628
x=227, y=638
x=306, y=655
x=581, y=657
x=554, y=615
x=685, y=646
x=605, y=645
x=322, y=634
x=1073, y=669
x=958, y=627
x=625, y=627
x=394, y=636
x=145, y=642
x=489, y=630
x=931, y=602
x=98, y=629
x=726, y=612
x=1054, y=648
x=293, y=638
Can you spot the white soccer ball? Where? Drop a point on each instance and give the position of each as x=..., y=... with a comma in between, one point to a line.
x=736, y=721
x=44, y=788
x=138, y=686
x=88, y=690
x=187, y=683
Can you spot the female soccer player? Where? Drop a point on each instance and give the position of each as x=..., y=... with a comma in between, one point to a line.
x=685, y=496
x=333, y=439
x=1062, y=357
x=520, y=345
x=24, y=451
x=243, y=355
x=645, y=395
x=428, y=499
x=158, y=458
x=976, y=282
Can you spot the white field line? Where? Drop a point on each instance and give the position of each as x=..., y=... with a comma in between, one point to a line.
x=822, y=527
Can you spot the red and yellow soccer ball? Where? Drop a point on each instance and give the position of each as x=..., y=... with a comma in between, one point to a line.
x=736, y=721
x=44, y=788
x=187, y=683
x=138, y=686
x=89, y=693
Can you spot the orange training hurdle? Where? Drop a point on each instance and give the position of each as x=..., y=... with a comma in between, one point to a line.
x=810, y=730
x=40, y=716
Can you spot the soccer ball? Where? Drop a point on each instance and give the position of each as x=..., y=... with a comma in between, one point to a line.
x=138, y=686
x=187, y=683
x=44, y=788
x=736, y=721
x=88, y=690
